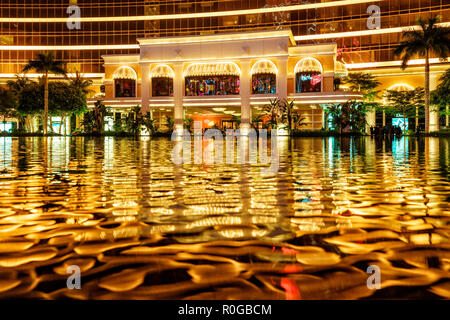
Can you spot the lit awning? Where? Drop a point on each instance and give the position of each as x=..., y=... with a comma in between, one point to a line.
x=162, y=71
x=308, y=65
x=264, y=66
x=401, y=87
x=125, y=72
x=213, y=68
x=340, y=70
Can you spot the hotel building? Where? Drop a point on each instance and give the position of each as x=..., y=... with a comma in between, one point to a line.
x=219, y=61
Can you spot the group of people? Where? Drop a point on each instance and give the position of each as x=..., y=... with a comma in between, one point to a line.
x=386, y=130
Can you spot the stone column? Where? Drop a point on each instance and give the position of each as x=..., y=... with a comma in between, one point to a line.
x=244, y=90
x=282, y=78
x=434, y=110
x=146, y=88
x=324, y=121
x=178, y=93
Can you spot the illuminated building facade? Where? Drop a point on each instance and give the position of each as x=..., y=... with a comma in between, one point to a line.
x=218, y=78
x=360, y=33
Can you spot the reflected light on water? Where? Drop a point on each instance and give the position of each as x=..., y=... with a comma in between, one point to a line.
x=141, y=227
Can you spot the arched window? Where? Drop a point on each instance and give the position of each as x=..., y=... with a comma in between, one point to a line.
x=162, y=81
x=308, y=75
x=264, y=74
x=203, y=79
x=125, y=82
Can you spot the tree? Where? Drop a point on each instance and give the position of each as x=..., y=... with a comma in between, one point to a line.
x=81, y=83
x=298, y=120
x=404, y=102
x=334, y=110
x=273, y=111
x=93, y=120
x=365, y=83
x=150, y=124
x=8, y=103
x=170, y=123
x=66, y=100
x=30, y=99
x=45, y=63
x=441, y=96
x=350, y=114
x=289, y=116
x=428, y=39
x=134, y=120
x=187, y=123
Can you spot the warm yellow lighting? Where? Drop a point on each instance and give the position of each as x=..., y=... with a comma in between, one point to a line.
x=193, y=15
x=211, y=104
x=340, y=70
x=401, y=87
x=252, y=35
x=38, y=75
x=371, y=32
x=308, y=65
x=212, y=68
x=72, y=47
x=204, y=98
x=388, y=63
x=398, y=87
x=125, y=72
x=162, y=71
x=264, y=66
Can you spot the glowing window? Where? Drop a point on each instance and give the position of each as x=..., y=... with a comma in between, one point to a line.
x=162, y=81
x=125, y=82
x=203, y=79
x=264, y=77
x=308, y=75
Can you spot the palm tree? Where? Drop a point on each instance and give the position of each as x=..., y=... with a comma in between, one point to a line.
x=428, y=39
x=8, y=103
x=45, y=63
x=77, y=81
x=272, y=110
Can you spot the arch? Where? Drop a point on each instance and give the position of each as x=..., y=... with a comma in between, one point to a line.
x=162, y=80
x=212, y=68
x=124, y=82
x=264, y=74
x=401, y=87
x=162, y=71
x=308, y=75
x=264, y=66
x=125, y=72
x=397, y=87
x=340, y=70
x=308, y=64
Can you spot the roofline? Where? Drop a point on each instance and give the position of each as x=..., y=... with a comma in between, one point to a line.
x=225, y=36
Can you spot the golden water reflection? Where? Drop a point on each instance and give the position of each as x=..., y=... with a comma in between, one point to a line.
x=140, y=227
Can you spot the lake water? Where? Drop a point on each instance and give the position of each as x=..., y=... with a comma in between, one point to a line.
x=140, y=227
